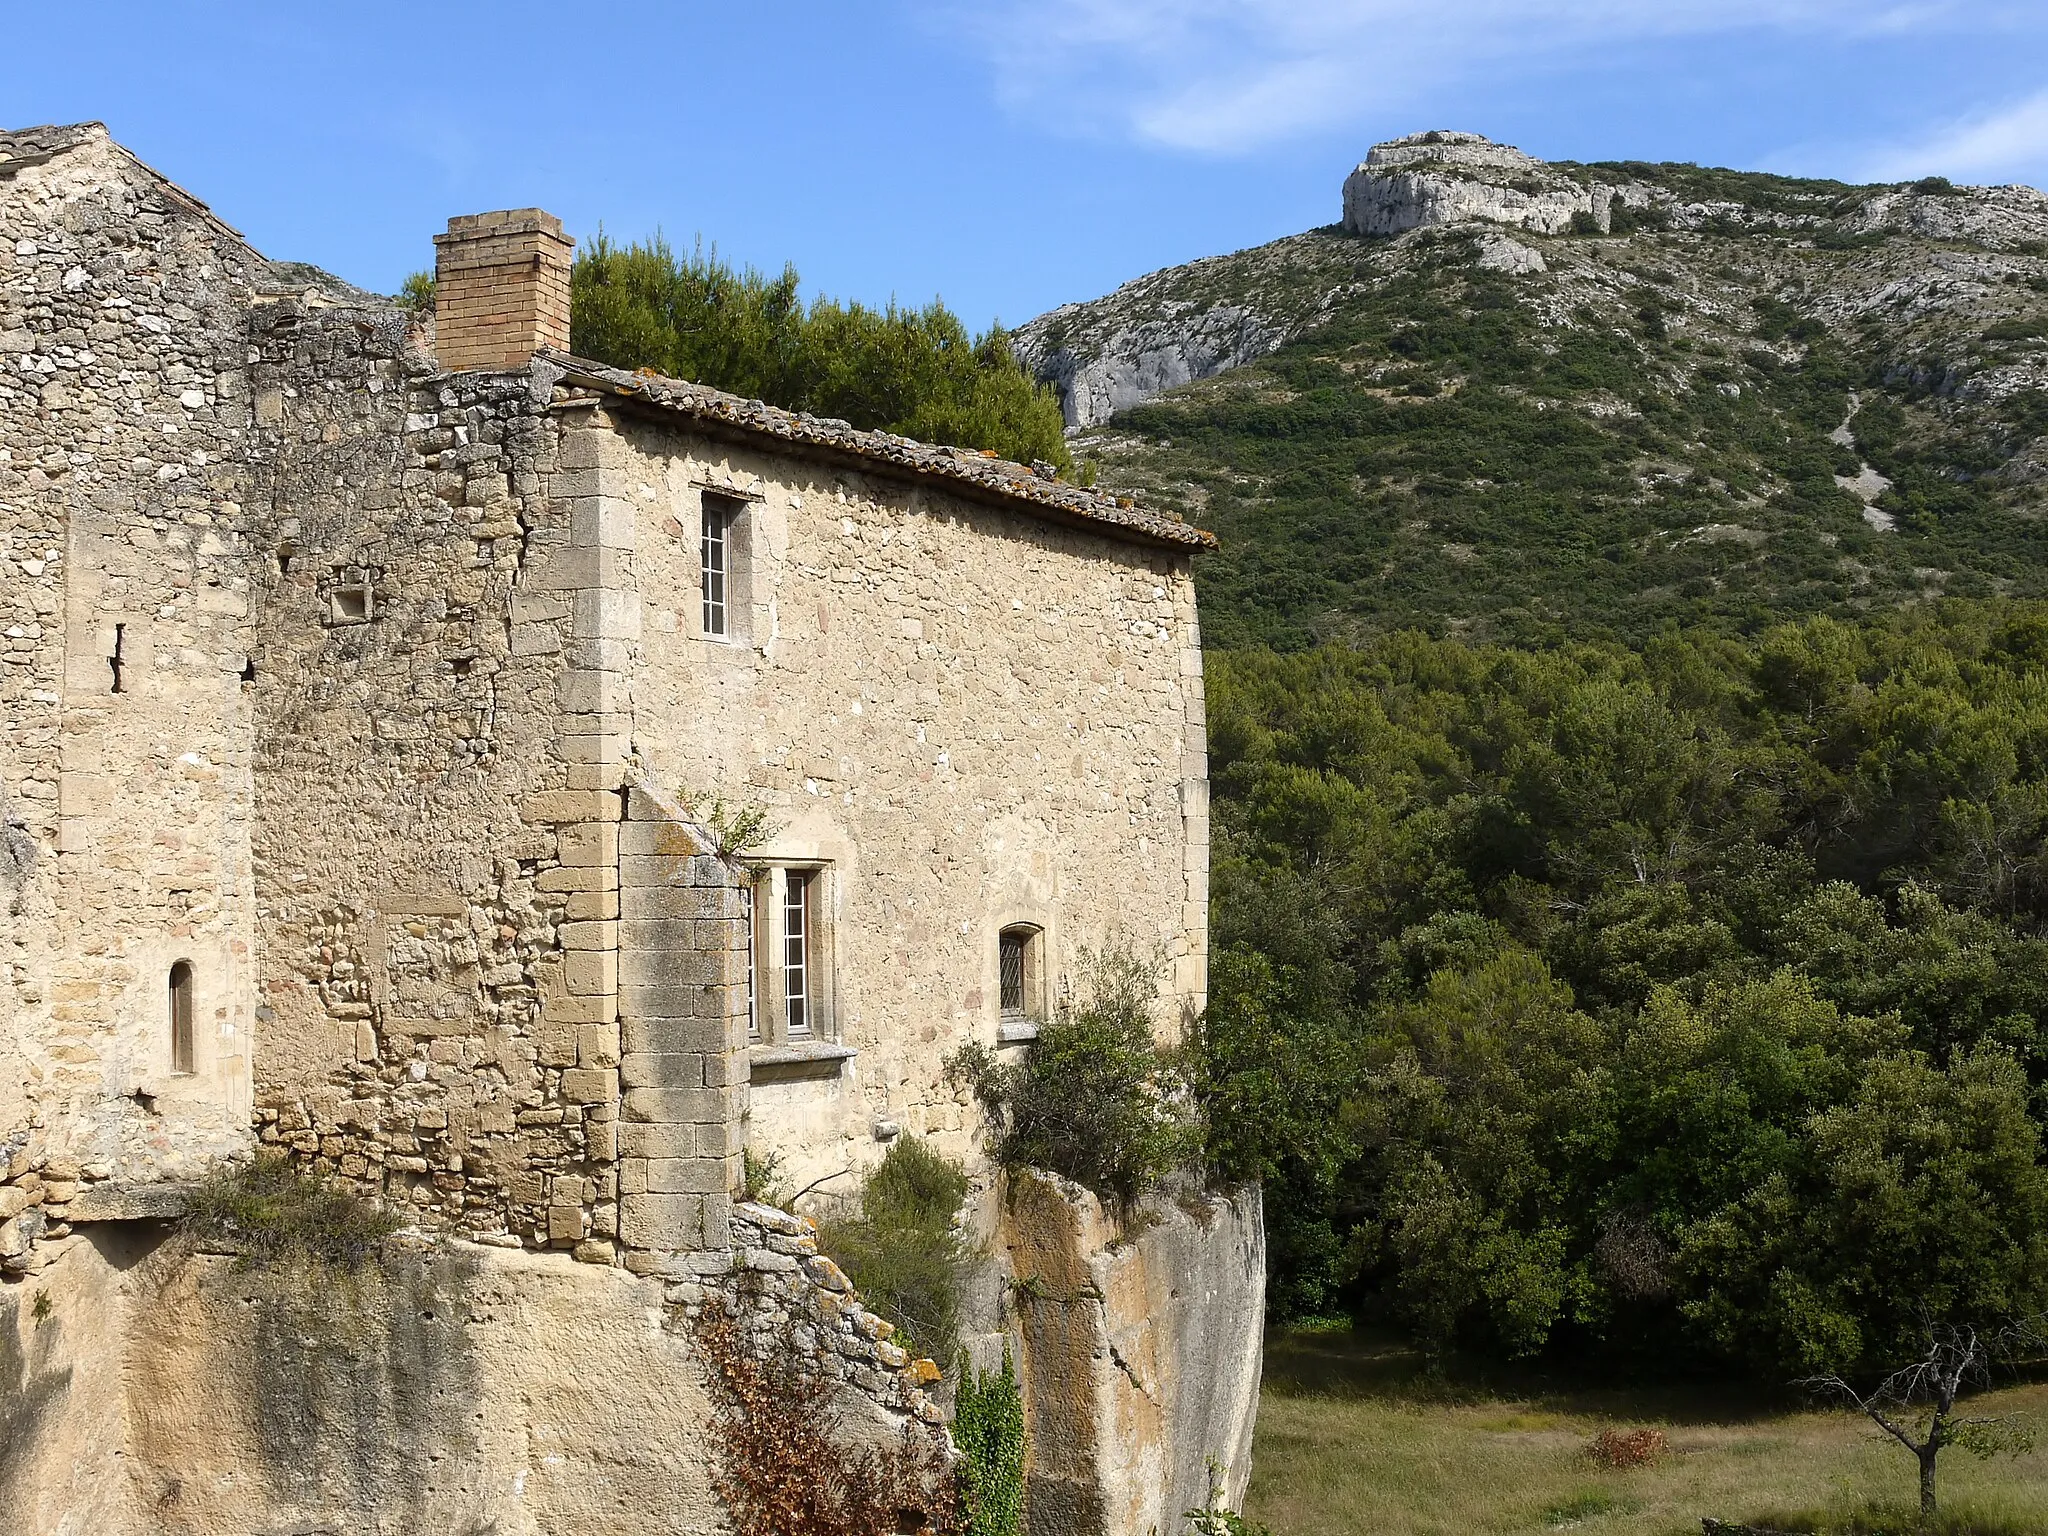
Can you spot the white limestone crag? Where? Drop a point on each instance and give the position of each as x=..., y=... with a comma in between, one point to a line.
x=1444, y=177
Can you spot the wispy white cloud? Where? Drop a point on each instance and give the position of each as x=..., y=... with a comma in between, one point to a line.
x=1222, y=75
x=2009, y=144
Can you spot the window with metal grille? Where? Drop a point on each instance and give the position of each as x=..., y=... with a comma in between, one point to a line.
x=796, y=953
x=1010, y=958
x=181, y=1017
x=716, y=565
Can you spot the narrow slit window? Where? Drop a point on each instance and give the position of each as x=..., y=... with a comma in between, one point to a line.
x=181, y=1017
x=717, y=550
x=753, y=994
x=1017, y=962
x=796, y=954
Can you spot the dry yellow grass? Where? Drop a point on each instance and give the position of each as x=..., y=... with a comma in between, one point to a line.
x=1355, y=1440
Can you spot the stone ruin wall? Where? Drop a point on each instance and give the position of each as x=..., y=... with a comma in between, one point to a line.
x=123, y=518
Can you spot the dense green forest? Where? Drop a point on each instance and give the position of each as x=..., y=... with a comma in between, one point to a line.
x=913, y=371
x=1688, y=1000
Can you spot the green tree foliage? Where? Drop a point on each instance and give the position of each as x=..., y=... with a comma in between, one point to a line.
x=900, y=1247
x=1682, y=999
x=913, y=371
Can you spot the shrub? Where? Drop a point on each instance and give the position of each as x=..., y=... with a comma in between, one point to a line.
x=1096, y=1099
x=988, y=1429
x=1621, y=1449
x=761, y=1176
x=274, y=1211
x=781, y=1467
x=898, y=1244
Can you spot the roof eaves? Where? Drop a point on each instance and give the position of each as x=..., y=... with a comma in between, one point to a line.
x=962, y=469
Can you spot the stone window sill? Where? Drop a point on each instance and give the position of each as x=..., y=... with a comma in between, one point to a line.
x=1016, y=1032
x=800, y=1053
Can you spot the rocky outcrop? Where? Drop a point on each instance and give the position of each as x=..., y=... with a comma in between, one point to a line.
x=1445, y=178
x=1141, y=1348
x=1150, y=358
x=1175, y=326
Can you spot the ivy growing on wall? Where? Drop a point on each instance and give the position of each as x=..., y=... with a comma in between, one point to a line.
x=988, y=1429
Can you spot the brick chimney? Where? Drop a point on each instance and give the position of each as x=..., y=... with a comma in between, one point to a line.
x=501, y=289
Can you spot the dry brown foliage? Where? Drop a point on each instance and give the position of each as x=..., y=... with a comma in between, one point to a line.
x=783, y=1469
x=1621, y=1449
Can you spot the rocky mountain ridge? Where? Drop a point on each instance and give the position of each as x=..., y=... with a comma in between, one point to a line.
x=1185, y=323
x=1521, y=397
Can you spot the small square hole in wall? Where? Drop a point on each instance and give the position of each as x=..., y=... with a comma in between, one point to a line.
x=349, y=605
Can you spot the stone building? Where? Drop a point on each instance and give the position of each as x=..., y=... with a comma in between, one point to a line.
x=378, y=700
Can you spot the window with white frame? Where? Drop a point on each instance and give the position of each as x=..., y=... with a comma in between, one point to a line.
x=797, y=970
x=789, y=956
x=753, y=941
x=721, y=564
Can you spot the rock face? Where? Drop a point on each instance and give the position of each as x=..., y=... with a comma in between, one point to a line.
x=1182, y=324
x=1442, y=177
x=1141, y=1353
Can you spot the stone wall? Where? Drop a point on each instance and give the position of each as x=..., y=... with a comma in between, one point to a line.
x=125, y=723
x=966, y=717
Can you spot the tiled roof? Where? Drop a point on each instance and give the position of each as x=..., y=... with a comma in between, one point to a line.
x=966, y=468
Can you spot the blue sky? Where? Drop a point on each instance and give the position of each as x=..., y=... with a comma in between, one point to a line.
x=1006, y=154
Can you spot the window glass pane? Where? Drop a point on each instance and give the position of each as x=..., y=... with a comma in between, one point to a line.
x=796, y=947
x=716, y=523
x=1011, y=966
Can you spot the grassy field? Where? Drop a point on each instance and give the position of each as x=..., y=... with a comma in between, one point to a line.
x=1355, y=1437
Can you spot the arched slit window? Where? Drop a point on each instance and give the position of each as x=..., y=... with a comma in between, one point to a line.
x=1017, y=973
x=181, y=1016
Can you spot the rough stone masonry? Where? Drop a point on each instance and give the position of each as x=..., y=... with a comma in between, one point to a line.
x=375, y=691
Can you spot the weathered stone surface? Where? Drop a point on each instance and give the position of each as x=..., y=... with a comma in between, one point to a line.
x=1443, y=178
x=164, y=1385
x=1140, y=1352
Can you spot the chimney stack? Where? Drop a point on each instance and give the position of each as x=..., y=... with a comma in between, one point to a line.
x=501, y=289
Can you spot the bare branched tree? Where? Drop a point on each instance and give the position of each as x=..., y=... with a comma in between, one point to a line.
x=1916, y=1404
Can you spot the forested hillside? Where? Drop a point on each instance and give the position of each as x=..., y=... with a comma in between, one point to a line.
x=1629, y=734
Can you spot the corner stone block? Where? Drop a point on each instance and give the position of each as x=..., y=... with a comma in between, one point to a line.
x=589, y=935
x=594, y=843
x=591, y=973
x=673, y=1222
x=660, y=902
x=586, y=877
x=669, y=838
x=687, y=1176
x=708, y=1106
x=589, y=1085
x=666, y=1069
x=642, y=1141
x=641, y=1035
x=588, y=749
x=590, y=692
x=560, y=807
x=642, y=1000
